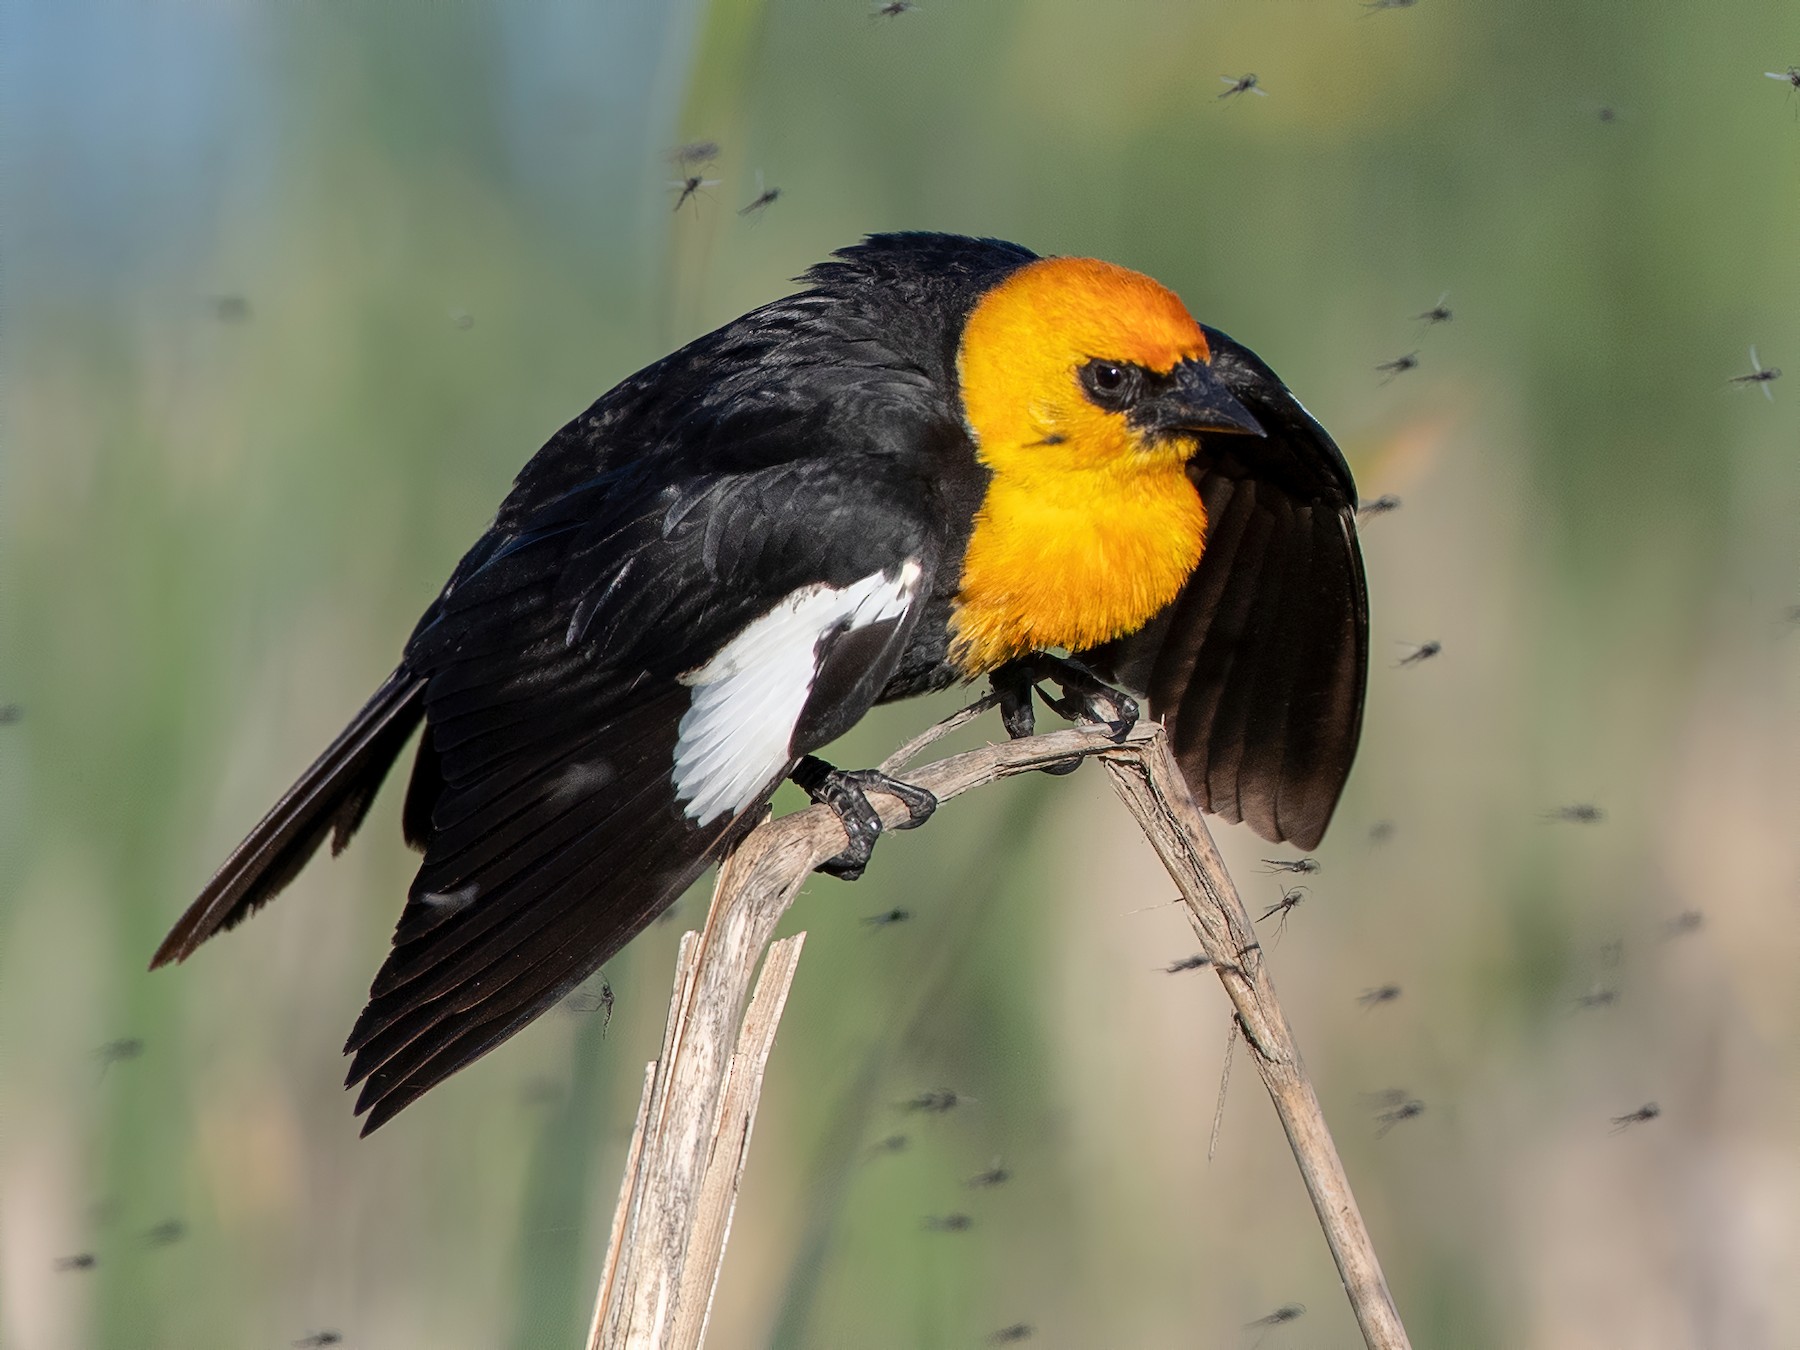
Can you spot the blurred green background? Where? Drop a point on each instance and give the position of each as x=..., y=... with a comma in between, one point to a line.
x=291, y=291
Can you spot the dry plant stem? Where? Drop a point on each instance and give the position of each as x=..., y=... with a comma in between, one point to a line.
x=1150, y=784
x=648, y=1290
x=700, y=1096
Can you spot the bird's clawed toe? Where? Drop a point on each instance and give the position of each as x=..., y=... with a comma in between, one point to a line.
x=846, y=791
x=1084, y=699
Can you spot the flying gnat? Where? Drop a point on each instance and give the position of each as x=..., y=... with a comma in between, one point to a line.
x=1420, y=653
x=1374, y=998
x=1381, y=832
x=319, y=1339
x=1290, y=899
x=1398, y=366
x=1758, y=375
x=1242, y=84
x=765, y=197
x=1287, y=1312
x=1198, y=961
x=1576, y=813
x=893, y=9
x=593, y=1001
x=894, y=1143
x=1688, y=921
x=887, y=918
x=1376, y=6
x=1300, y=867
x=935, y=1103
x=11, y=713
x=1386, y=502
x=691, y=185
x=1411, y=1109
x=1597, y=997
x=694, y=154
x=1017, y=1332
x=1438, y=313
x=166, y=1233
x=1789, y=77
x=1647, y=1112
x=994, y=1176
x=948, y=1223
x=1608, y=114
x=118, y=1052
x=79, y=1261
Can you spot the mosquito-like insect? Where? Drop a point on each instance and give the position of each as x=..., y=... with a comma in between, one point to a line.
x=1198, y=961
x=1688, y=921
x=894, y=1143
x=118, y=1052
x=1386, y=502
x=1597, y=997
x=1438, y=313
x=1374, y=998
x=691, y=185
x=693, y=154
x=936, y=1103
x=948, y=1223
x=1758, y=375
x=1287, y=1312
x=764, y=198
x=1647, y=1112
x=593, y=1000
x=1284, y=906
x=994, y=1176
x=1018, y=1331
x=1300, y=867
x=1608, y=114
x=887, y=917
x=1420, y=653
x=1381, y=832
x=893, y=9
x=1375, y=6
x=79, y=1261
x=1410, y=1109
x=318, y=1340
x=11, y=713
x=167, y=1232
x=1576, y=813
x=1398, y=366
x=1242, y=84
x=1789, y=77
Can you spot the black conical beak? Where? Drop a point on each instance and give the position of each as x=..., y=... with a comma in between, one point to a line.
x=1194, y=399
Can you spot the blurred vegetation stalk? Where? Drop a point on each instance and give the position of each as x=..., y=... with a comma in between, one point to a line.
x=693, y=1127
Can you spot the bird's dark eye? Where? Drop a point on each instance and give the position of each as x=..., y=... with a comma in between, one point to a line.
x=1111, y=384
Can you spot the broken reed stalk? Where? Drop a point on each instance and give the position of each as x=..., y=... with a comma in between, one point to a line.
x=687, y=1151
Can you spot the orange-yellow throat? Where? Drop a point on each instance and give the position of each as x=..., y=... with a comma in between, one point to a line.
x=1088, y=527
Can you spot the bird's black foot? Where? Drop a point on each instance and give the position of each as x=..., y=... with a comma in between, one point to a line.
x=1084, y=699
x=846, y=791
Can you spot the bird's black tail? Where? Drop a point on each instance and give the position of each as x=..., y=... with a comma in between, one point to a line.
x=332, y=797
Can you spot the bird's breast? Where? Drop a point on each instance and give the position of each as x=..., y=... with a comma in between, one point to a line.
x=1072, y=561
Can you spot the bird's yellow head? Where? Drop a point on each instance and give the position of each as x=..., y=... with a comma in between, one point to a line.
x=1072, y=365
x=1086, y=388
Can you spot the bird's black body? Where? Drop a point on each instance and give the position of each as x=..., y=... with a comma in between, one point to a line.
x=815, y=445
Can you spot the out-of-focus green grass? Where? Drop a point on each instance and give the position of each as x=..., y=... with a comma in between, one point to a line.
x=452, y=229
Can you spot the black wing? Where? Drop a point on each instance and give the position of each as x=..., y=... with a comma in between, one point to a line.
x=1259, y=666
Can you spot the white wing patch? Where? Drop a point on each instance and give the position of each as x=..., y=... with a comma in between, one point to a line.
x=735, y=734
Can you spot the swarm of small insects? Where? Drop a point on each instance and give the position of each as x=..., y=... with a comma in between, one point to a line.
x=1647, y=1112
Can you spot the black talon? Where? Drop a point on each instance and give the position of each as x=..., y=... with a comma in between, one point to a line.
x=1085, y=699
x=846, y=792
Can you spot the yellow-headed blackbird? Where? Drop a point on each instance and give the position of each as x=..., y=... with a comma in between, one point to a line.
x=944, y=458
